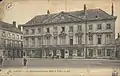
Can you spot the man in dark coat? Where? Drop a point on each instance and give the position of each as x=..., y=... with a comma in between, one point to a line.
x=1, y=61
x=25, y=61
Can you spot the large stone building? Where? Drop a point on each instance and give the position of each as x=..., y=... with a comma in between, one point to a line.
x=11, y=42
x=89, y=33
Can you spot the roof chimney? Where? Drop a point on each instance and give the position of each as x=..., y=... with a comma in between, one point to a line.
x=48, y=12
x=112, y=10
x=118, y=35
x=14, y=23
x=85, y=9
x=19, y=27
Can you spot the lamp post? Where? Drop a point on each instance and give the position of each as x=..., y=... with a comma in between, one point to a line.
x=85, y=31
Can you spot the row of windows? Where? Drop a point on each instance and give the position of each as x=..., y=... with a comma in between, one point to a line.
x=101, y=52
x=9, y=35
x=63, y=40
x=79, y=28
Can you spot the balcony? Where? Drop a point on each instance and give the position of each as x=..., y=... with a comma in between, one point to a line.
x=63, y=33
x=48, y=34
x=55, y=33
x=79, y=33
x=71, y=33
x=75, y=46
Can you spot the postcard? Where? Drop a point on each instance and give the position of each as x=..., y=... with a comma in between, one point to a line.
x=59, y=38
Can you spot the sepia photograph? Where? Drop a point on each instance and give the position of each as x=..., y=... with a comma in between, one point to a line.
x=59, y=37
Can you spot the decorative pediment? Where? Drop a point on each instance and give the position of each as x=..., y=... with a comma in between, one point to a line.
x=61, y=18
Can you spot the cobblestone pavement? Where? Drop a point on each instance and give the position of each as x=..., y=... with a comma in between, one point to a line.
x=63, y=63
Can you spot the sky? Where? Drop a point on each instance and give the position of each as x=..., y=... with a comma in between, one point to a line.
x=22, y=11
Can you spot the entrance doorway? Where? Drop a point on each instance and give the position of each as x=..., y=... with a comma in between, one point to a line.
x=71, y=41
x=62, y=53
x=90, y=53
x=40, y=53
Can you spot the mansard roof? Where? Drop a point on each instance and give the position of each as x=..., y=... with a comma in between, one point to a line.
x=74, y=16
x=9, y=27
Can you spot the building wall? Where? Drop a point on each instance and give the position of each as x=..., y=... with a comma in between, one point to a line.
x=95, y=32
x=10, y=41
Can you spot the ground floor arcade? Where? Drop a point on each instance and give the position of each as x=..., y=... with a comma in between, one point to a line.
x=13, y=53
x=71, y=52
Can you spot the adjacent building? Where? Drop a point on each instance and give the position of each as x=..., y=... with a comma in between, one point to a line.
x=118, y=46
x=11, y=42
x=89, y=33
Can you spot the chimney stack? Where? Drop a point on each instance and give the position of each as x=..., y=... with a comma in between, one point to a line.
x=14, y=23
x=85, y=9
x=48, y=12
x=118, y=35
x=112, y=10
x=19, y=27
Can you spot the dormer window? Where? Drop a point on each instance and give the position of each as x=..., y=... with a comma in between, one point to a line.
x=108, y=26
x=48, y=30
x=63, y=29
x=79, y=27
x=33, y=31
x=39, y=30
x=27, y=31
x=90, y=27
x=99, y=26
x=96, y=16
x=70, y=28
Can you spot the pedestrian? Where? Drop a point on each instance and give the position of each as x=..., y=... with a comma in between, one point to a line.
x=25, y=61
x=114, y=73
x=1, y=61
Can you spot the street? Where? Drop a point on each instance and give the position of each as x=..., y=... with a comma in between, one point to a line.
x=63, y=63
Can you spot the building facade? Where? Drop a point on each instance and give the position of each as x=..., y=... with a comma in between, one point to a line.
x=11, y=42
x=117, y=41
x=89, y=33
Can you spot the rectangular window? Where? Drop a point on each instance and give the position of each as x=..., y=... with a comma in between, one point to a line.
x=21, y=37
x=3, y=34
x=99, y=39
x=8, y=35
x=108, y=26
x=63, y=40
x=79, y=53
x=33, y=31
x=71, y=41
x=27, y=41
x=27, y=31
x=55, y=29
x=13, y=35
x=79, y=27
x=99, y=26
x=63, y=29
x=108, y=38
x=39, y=30
x=33, y=41
x=99, y=52
x=48, y=40
x=90, y=27
x=70, y=28
x=90, y=52
x=108, y=52
x=48, y=30
x=55, y=40
x=17, y=36
x=79, y=39
x=40, y=41
x=90, y=37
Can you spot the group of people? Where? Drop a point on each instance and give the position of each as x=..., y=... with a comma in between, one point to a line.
x=1, y=61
